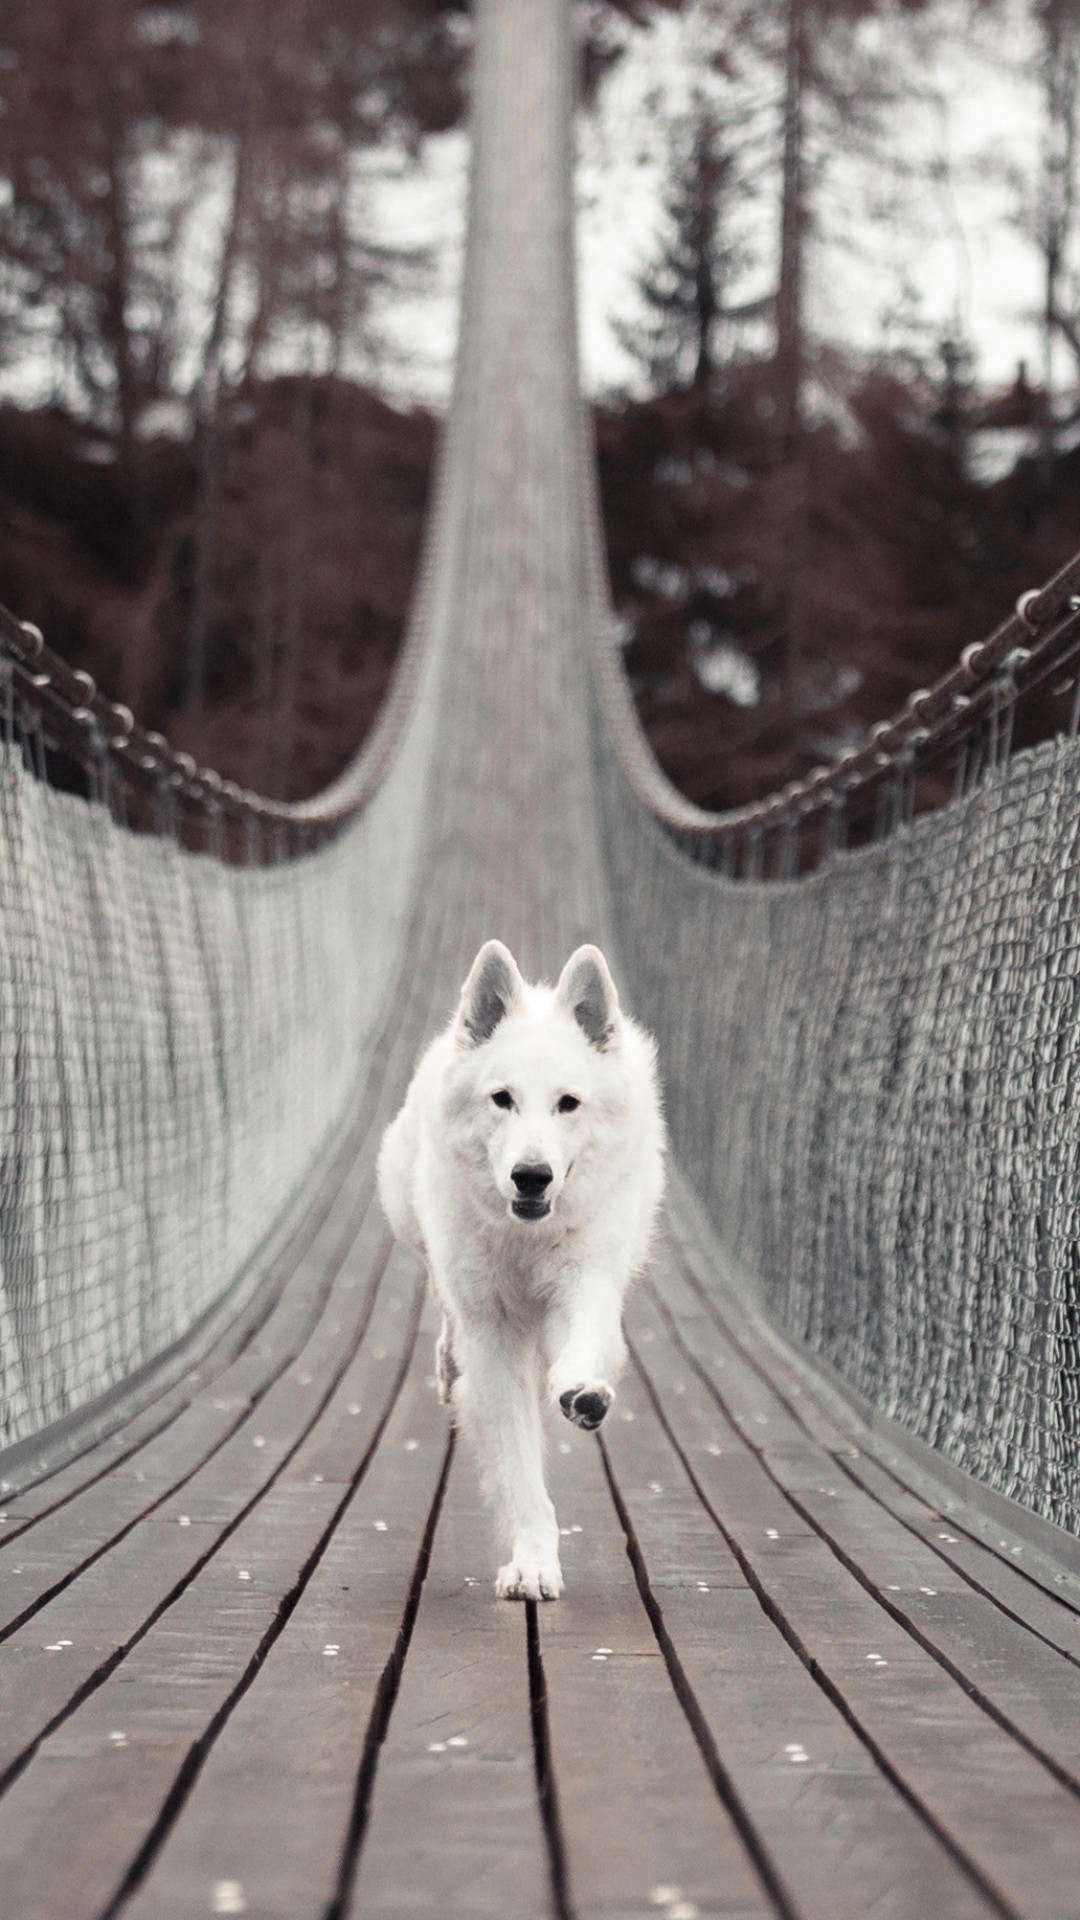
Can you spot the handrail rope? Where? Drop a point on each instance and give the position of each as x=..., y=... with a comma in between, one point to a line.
x=51, y=703
x=45, y=703
x=1038, y=639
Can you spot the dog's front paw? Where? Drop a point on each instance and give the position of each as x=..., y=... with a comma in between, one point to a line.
x=523, y=1579
x=587, y=1404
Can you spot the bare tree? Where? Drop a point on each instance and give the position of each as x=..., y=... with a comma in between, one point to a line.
x=120, y=122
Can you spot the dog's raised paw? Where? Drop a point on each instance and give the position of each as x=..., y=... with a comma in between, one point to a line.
x=528, y=1580
x=586, y=1405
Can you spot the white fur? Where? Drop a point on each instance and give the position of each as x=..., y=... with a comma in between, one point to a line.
x=532, y=1307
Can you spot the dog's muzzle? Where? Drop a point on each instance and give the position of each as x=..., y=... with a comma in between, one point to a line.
x=532, y=1183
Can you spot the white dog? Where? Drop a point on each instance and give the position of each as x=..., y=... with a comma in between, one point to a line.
x=525, y=1168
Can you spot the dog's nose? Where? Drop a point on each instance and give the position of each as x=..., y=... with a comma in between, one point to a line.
x=531, y=1181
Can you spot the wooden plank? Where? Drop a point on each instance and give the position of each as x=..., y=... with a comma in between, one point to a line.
x=844, y=1842
x=992, y=1802
x=78, y=1817
x=1022, y=1575
x=1014, y=1569
x=37, y=1477
x=638, y=1810
x=1019, y=1676
x=270, y=1809
x=63, y=1542
x=245, y=1353
x=66, y=1823
x=24, y=1506
x=455, y=1825
x=101, y=1612
x=1053, y=1615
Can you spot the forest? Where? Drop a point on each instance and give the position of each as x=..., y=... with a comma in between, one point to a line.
x=208, y=500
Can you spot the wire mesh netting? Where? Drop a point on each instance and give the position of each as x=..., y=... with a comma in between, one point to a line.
x=178, y=1041
x=871, y=1079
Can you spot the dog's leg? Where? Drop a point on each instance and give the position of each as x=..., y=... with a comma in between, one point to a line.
x=446, y=1366
x=586, y=1340
x=499, y=1402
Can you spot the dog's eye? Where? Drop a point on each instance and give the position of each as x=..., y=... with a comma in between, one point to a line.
x=502, y=1098
x=568, y=1104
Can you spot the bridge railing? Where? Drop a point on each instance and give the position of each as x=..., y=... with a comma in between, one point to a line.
x=182, y=1038
x=54, y=713
x=960, y=728
x=871, y=1074
x=937, y=748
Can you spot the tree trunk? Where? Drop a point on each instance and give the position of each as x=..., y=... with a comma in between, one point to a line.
x=204, y=543
x=115, y=284
x=294, y=599
x=206, y=407
x=789, y=296
x=1061, y=68
x=794, y=492
x=266, y=596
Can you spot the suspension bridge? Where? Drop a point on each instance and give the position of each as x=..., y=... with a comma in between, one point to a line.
x=818, y=1655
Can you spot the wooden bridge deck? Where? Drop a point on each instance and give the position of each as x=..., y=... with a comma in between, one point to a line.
x=250, y=1656
x=251, y=1659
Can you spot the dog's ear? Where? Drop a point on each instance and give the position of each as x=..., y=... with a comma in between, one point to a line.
x=492, y=988
x=587, y=991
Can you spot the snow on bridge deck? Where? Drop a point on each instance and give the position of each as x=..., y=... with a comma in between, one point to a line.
x=250, y=1657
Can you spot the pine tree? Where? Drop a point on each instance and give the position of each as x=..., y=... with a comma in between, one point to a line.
x=686, y=287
